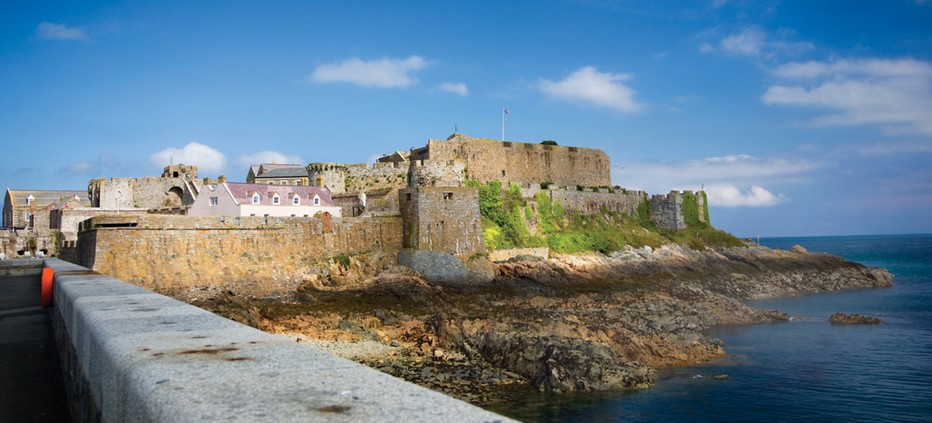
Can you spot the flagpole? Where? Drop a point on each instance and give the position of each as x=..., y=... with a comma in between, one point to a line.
x=503, y=125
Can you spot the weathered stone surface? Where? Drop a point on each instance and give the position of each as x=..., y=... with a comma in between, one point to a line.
x=248, y=255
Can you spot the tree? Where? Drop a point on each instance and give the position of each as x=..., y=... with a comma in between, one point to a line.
x=549, y=142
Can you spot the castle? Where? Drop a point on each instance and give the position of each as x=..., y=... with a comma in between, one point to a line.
x=414, y=206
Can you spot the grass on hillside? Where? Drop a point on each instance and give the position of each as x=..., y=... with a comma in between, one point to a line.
x=505, y=214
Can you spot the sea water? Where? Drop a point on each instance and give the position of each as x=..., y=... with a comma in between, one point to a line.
x=803, y=370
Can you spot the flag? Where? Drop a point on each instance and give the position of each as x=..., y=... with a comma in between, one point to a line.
x=506, y=111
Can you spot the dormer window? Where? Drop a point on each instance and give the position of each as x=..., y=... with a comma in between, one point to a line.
x=316, y=200
x=296, y=200
x=255, y=198
x=30, y=199
x=276, y=200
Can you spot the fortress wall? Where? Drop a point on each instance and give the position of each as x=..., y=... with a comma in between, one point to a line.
x=145, y=193
x=444, y=219
x=251, y=255
x=588, y=203
x=441, y=173
x=488, y=160
x=666, y=210
x=361, y=178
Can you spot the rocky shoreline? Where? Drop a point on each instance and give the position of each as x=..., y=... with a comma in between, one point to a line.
x=569, y=323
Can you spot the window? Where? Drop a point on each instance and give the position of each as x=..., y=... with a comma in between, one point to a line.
x=276, y=200
x=283, y=183
x=255, y=198
x=296, y=200
x=30, y=199
x=214, y=201
x=316, y=200
x=447, y=195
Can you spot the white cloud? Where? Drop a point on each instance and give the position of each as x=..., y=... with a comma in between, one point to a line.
x=885, y=148
x=725, y=176
x=382, y=73
x=589, y=85
x=894, y=93
x=729, y=195
x=267, y=156
x=206, y=158
x=748, y=42
x=753, y=42
x=53, y=31
x=455, y=88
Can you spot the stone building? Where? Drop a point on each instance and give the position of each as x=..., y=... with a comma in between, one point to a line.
x=278, y=174
x=20, y=206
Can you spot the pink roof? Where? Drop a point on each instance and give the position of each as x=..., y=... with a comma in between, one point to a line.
x=243, y=193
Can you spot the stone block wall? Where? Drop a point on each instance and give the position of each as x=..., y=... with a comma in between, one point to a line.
x=666, y=210
x=364, y=178
x=587, y=202
x=442, y=219
x=14, y=243
x=524, y=163
x=67, y=220
x=143, y=193
x=251, y=255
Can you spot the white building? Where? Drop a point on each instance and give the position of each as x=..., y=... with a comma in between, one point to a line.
x=237, y=199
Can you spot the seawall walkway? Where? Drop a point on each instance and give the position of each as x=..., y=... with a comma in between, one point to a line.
x=31, y=388
x=132, y=355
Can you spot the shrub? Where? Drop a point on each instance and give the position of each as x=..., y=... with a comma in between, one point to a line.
x=549, y=142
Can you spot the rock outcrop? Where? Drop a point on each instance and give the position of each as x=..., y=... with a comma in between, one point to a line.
x=853, y=319
x=568, y=323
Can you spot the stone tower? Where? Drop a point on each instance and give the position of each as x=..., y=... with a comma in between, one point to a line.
x=330, y=175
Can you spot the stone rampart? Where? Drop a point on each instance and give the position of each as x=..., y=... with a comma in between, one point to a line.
x=144, y=193
x=364, y=178
x=666, y=210
x=588, y=203
x=249, y=255
x=488, y=160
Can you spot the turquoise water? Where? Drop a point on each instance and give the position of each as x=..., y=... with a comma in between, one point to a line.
x=803, y=370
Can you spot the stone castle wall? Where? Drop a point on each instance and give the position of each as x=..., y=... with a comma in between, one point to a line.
x=364, y=177
x=252, y=255
x=524, y=163
x=588, y=203
x=444, y=219
x=144, y=193
x=666, y=210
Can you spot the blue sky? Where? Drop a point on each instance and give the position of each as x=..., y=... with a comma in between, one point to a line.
x=798, y=118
